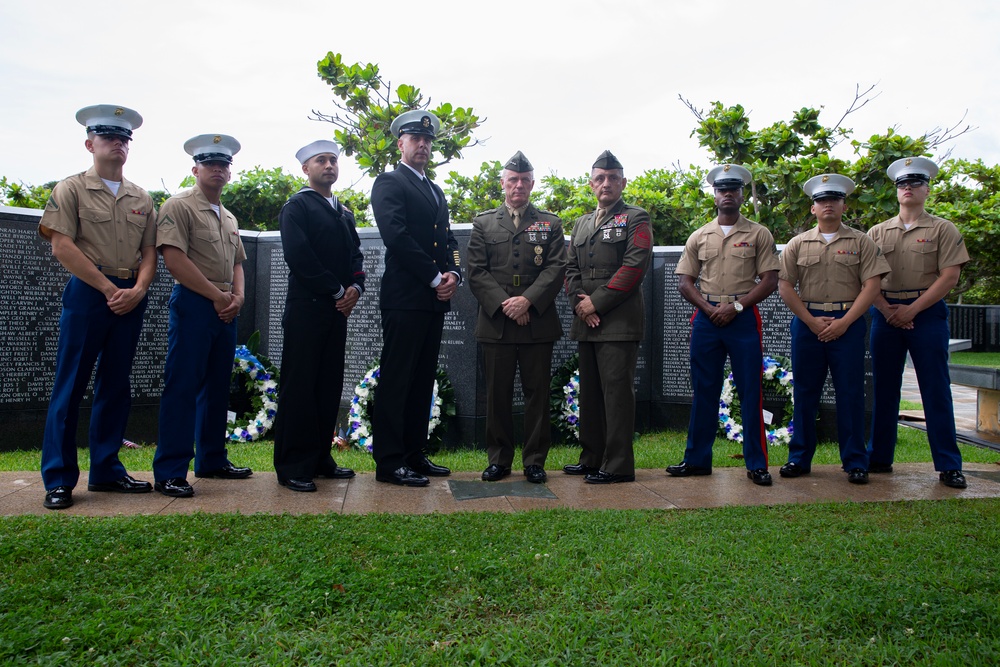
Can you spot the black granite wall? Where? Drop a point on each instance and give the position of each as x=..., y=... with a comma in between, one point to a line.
x=31, y=282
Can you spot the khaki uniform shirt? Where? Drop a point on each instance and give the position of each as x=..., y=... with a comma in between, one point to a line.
x=188, y=222
x=917, y=255
x=830, y=272
x=728, y=265
x=608, y=259
x=110, y=230
x=529, y=261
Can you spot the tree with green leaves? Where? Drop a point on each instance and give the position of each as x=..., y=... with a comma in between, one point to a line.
x=468, y=196
x=24, y=196
x=367, y=105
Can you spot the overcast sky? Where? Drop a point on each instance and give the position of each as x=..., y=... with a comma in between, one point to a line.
x=561, y=81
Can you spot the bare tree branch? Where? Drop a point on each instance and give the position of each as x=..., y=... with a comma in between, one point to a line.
x=698, y=113
x=938, y=136
x=859, y=101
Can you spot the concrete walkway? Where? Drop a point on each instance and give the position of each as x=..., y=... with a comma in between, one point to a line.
x=22, y=492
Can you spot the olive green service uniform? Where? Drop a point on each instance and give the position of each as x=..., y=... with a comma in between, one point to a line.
x=608, y=259
x=527, y=260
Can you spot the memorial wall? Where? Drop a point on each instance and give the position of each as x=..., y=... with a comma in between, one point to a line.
x=31, y=283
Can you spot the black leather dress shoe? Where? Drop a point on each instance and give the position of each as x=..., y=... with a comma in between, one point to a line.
x=336, y=473
x=760, y=476
x=880, y=468
x=580, y=469
x=495, y=473
x=176, y=487
x=298, y=484
x=425, y=466
x=228, y=471
x=126, y=484
x=402, y=477
x=535, y=474
x=59, y=498
x=791, y=469
x=857, y=476
x=953, y=478
x=602, y=477
x=682, y=469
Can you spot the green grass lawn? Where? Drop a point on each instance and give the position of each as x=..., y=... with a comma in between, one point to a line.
x=652, y=450
x=852, y=584
x=986, y=359
x=904, y=583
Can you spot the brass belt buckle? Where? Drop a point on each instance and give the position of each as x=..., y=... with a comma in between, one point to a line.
x=517, y=280
x=123, y=274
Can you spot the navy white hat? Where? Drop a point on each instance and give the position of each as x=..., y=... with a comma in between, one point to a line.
x=316, y=148
x=607, y=160
x=729, y=177
x=912, y=170
x=109, y=119
x=417, y=121
x=518, y=164
x=828, y=186
x=212, y=148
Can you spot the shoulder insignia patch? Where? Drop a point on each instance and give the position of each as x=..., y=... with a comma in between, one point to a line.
x=643, y=239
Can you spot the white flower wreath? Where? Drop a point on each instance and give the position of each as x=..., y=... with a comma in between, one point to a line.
x=779, y=380
x=258, y=381
x=360, y=432
x=571, y=404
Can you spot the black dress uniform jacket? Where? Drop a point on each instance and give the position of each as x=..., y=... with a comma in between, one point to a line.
x=417, y=238
x=321, y=247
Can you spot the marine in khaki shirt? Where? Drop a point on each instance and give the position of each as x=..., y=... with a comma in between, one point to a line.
x=837, y=271
x=727, y=268
x=102, y=230
x=926, y=254
x=201, y=247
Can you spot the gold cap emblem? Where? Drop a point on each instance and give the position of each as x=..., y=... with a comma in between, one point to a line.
x=727, y=167
x=426, y=121
x=216, y=139
x=908, y=162
x=119, y=111
x=826, y=178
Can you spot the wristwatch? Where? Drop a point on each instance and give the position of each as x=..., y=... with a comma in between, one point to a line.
x=737, y=306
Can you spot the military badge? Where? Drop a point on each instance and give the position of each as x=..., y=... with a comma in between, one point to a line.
x=621, y=220
x=538, y=260
x=538, y=250
x=531, y=237
x=607, y=235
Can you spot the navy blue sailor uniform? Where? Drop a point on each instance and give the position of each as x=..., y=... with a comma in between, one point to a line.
x=830, y=276
x=727, y=267
x=608, y=259
x=412, y=218
x=323, y=252
x=110, y=230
